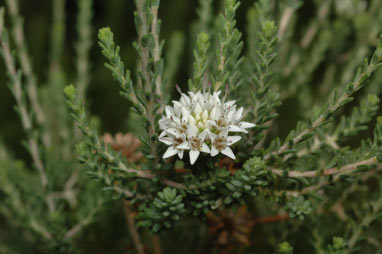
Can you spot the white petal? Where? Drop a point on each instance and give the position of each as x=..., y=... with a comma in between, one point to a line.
x=233, y=139
x=184, y=145
x=163, y=133
x=169, y=111
x=228, y=152
x=163, y=123
x=246, y=125
x=192, y=95
x=216, y=98
x=230, y=115
x=192, y=131
x=235, y=128
x=210, y=123
x=194, y=154
x=167, y=140
x=203, y=135
x=229, y=104
x=214, y=151
x=175, y=119
x=224, y=133
x=185, y=114
x=238, y=114
x=212, y=136
x=177, y=108
x=205, y=115
x=172, y=131
x=186, y=99
x=205, y=148
x=213, y=114
x=198, y=109
x=180, y=153
x=199, y=96
x=170, y=152
x=191, y=119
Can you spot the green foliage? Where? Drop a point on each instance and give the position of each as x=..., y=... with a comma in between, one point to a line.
x=111, y=52
x=243, y=184
x=264, y=100
x=165, y=210
x=309, y=170
x=227, y=73
x=357, y=121
x=337, y=247
x=46, y=201
x=285, y=248
x=173, y=60
x=201, y=63
x=298, y=207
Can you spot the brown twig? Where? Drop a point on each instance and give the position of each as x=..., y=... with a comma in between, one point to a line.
x=132, y=228
x=156, y=244
x=270, y=219
x=144, y=174
x=330, y=171
x=317, y=186
x=285, y=19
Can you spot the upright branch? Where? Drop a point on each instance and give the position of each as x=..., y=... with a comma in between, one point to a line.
x=201, y=63
x=173, y=60
x=150, y=67
x=205, y=15
x=264, y=99
x=228, y=75
x=83, y=45
x=60, y=127
x=287, y=16
x=156, y=51
x=16, y=88
x=24, y=59
x=57, y=37
x=117, y=67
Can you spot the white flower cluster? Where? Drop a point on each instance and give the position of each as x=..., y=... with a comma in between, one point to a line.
x=201, y=122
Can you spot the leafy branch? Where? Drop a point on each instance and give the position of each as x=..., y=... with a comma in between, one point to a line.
x=24, y=59
x=16, y=88
x=94, y=146
x=229, y=49
x=337, y=101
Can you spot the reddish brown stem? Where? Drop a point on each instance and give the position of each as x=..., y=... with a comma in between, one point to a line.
x=270, y=219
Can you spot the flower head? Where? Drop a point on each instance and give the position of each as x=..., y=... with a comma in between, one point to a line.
x=201, y=122
x=126, y=143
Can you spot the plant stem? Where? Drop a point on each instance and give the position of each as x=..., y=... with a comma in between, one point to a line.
x=132, y=228
x=84, y=43
x=347, y=169
x=24, y=59
x=16, y=88
x=156, y=50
